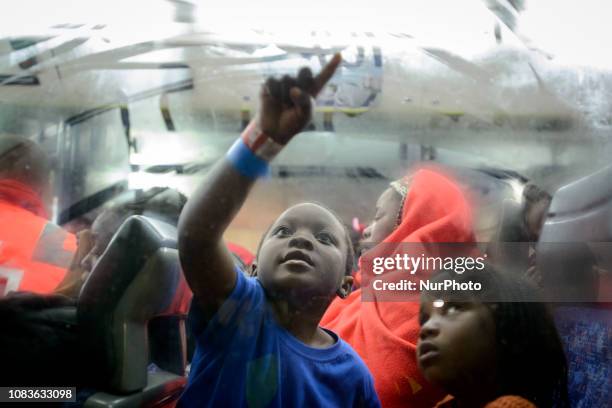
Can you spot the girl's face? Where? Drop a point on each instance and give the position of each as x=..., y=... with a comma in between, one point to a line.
x=457, y=345
x=385, y=219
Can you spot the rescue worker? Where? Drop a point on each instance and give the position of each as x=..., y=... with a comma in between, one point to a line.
x=34, y=252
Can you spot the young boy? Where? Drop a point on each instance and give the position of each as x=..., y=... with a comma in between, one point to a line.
x=259, y=343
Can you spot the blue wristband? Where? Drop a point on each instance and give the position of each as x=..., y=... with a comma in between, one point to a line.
x=245, y=161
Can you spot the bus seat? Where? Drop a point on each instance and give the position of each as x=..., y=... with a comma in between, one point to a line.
x=581, y=211
x=575, y=237
x=586, y=334
x=137, y=281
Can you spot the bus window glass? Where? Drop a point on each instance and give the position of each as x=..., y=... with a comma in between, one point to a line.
x=116, y=109
x=99, y=156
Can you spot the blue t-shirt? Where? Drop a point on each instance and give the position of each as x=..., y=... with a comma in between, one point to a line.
x=244, y=358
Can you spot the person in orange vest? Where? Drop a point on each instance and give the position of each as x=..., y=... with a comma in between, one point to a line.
x=34, y=252
x=161, y=203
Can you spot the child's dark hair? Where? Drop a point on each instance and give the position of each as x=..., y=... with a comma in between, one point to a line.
x=530, y=356
x=533, y=194
x=350, y=251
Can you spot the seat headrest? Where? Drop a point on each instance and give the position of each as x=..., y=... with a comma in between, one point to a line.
x=581, y=211
x=577, y=234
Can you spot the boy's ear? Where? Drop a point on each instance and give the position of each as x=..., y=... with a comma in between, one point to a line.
x=345, y=287
x=253, y=269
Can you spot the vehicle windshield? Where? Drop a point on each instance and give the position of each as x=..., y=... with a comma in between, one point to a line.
x=115, y=109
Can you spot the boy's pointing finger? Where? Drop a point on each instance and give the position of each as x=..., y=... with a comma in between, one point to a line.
x=326, y=73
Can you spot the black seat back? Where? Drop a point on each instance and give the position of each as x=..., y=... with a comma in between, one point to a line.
x=136, y=280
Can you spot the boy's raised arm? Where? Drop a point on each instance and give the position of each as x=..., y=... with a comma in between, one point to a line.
x=285, y=110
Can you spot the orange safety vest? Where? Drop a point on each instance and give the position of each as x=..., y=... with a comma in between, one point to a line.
x=34, y=253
